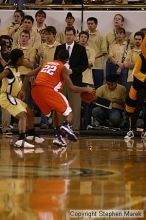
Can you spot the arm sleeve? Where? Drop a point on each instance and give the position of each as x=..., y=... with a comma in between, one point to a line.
x=83, y=63
x=99, y=92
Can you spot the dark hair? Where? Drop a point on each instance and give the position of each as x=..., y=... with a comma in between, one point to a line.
x=15, y=55
x=139, y=33
x=63, y=55
x=67, y=29
x=51, y=29
x=85, y=33
x=25, y=32
x=29, y=17
x=112, y=78
x=22, y=14
x=43, y=30
x=40, y=12
x=92, y=19
x=120, y=30
x=143, y=30
x=122, y=17
x=5, y=37
x=69, y=15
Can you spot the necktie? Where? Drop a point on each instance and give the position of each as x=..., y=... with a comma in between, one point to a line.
x=68, y=48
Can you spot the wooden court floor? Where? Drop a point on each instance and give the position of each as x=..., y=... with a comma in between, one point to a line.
x=47, y=183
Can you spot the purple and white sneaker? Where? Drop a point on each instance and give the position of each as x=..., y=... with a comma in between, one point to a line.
x=67, y=130
x=59, y=140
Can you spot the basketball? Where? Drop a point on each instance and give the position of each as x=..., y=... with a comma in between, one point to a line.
x=88, y=97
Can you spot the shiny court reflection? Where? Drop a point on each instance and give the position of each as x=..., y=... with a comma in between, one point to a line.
x=46, y=182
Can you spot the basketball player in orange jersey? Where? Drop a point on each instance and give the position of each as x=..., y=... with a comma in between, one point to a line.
x=46, y=93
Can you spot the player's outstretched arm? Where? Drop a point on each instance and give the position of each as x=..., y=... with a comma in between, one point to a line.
x=34, y=72
x=26, y=80
x=77, y=89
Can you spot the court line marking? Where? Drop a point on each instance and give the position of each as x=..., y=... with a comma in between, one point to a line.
x=130, y=204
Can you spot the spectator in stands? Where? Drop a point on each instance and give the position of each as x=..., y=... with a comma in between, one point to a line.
x=78, y=63
x=69, y=23
x=98, y=43
x=117, y=55
x=28, y=62
x=16, y=24
x=35, y=38
x=115, y=93
x=43, y=36
x=143, y=30
x=87, y=76
x=118, y=23
x=28, y=51
x=132, y=56
x=46, y=50
x=40, y=17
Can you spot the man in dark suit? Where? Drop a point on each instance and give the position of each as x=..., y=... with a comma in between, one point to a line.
x=78, y=63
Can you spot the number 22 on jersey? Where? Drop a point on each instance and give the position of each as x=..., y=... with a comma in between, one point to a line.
x=49, y=69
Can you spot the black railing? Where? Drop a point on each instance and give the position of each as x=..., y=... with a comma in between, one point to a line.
x=77, y=6
x=8, y=6
x=87, y=6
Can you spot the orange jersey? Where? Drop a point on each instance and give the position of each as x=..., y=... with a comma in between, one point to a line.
x=48, y=198
x=50, y=75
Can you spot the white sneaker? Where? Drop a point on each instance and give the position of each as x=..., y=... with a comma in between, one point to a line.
x=38, y=140
x=23, y=143
x=129, y=135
